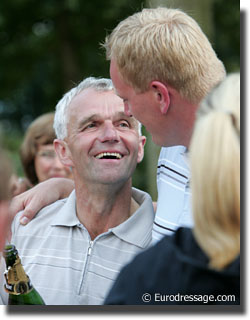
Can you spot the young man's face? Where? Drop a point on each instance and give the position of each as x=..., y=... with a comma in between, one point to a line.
x=143, y=106
x=104, y=144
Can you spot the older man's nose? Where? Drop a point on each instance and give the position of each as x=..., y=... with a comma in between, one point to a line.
x=109, y=133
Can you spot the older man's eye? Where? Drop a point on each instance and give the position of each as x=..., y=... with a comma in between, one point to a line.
x=90, y=125
x=124, y=124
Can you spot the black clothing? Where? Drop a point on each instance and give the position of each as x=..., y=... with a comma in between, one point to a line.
x=175, y=271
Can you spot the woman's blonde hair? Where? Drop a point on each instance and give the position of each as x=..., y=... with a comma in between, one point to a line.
x=166, y=45
x=215, y=172
x=40, y=132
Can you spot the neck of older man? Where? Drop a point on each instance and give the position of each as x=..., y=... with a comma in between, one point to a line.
x=101, y=207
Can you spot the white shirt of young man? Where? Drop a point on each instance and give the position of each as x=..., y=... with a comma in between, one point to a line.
x=64, y=265
x=174, y=194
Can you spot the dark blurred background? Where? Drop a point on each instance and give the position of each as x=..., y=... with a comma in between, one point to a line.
x=48, y=46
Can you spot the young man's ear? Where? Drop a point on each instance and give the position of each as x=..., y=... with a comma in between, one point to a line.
x=142, y=141
x=162, y=95
x=63, y=152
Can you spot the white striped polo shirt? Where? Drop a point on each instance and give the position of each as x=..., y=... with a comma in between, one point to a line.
x=64, y=265
x=174, y=194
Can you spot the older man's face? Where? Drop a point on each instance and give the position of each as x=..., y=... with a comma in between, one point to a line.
x=104, y=143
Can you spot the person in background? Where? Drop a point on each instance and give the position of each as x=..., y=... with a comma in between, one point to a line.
x=38, y=156
x=199, y=266
x=162, y=66
x=19, y=184
x=5, y=197
x=39, y=159
x=74, y=248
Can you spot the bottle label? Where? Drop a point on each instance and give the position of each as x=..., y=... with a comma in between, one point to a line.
x=17, y=282
x=18, y=288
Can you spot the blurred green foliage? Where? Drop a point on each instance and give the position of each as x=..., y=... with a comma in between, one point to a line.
x=48, y=46
x=226, y=18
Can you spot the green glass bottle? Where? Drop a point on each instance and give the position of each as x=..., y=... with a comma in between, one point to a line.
x=18, y=283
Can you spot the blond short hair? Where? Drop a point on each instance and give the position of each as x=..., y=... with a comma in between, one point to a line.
x=166, y=45
x=215, y=172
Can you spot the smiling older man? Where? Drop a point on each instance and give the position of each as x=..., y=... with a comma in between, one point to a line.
x=74, y=249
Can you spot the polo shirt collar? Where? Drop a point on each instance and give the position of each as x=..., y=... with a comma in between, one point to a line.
x=137, y=230
x=66, y=215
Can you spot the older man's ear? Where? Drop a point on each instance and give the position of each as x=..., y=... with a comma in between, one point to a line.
x=142, y=142
x=63, y=152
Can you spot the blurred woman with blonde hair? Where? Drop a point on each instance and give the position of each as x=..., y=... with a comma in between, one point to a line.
x=5, y=197
x=215, y=167
x=39, y=159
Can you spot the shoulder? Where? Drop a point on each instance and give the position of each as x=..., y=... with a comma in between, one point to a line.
x=42, y=218
x=141, y=196
x=144, y=201
x=173, y=153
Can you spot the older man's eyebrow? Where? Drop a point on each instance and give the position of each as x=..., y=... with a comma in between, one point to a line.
x=116, y=117
x=122, y=115
x=86, y=120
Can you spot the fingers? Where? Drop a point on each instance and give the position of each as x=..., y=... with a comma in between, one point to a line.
x=30, y=202
x=24, y=220
x=29, y=212
x=31, y=209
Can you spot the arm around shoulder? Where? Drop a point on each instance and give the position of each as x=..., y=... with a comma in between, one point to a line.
x=40, y=196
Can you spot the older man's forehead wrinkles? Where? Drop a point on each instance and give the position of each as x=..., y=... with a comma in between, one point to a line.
x=86, y=120
x=122, y=116
x=108, y=114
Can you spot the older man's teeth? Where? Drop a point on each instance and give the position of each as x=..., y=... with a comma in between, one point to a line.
x=109, y=155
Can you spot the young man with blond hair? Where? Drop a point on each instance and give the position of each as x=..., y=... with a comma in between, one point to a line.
x=162, y=66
